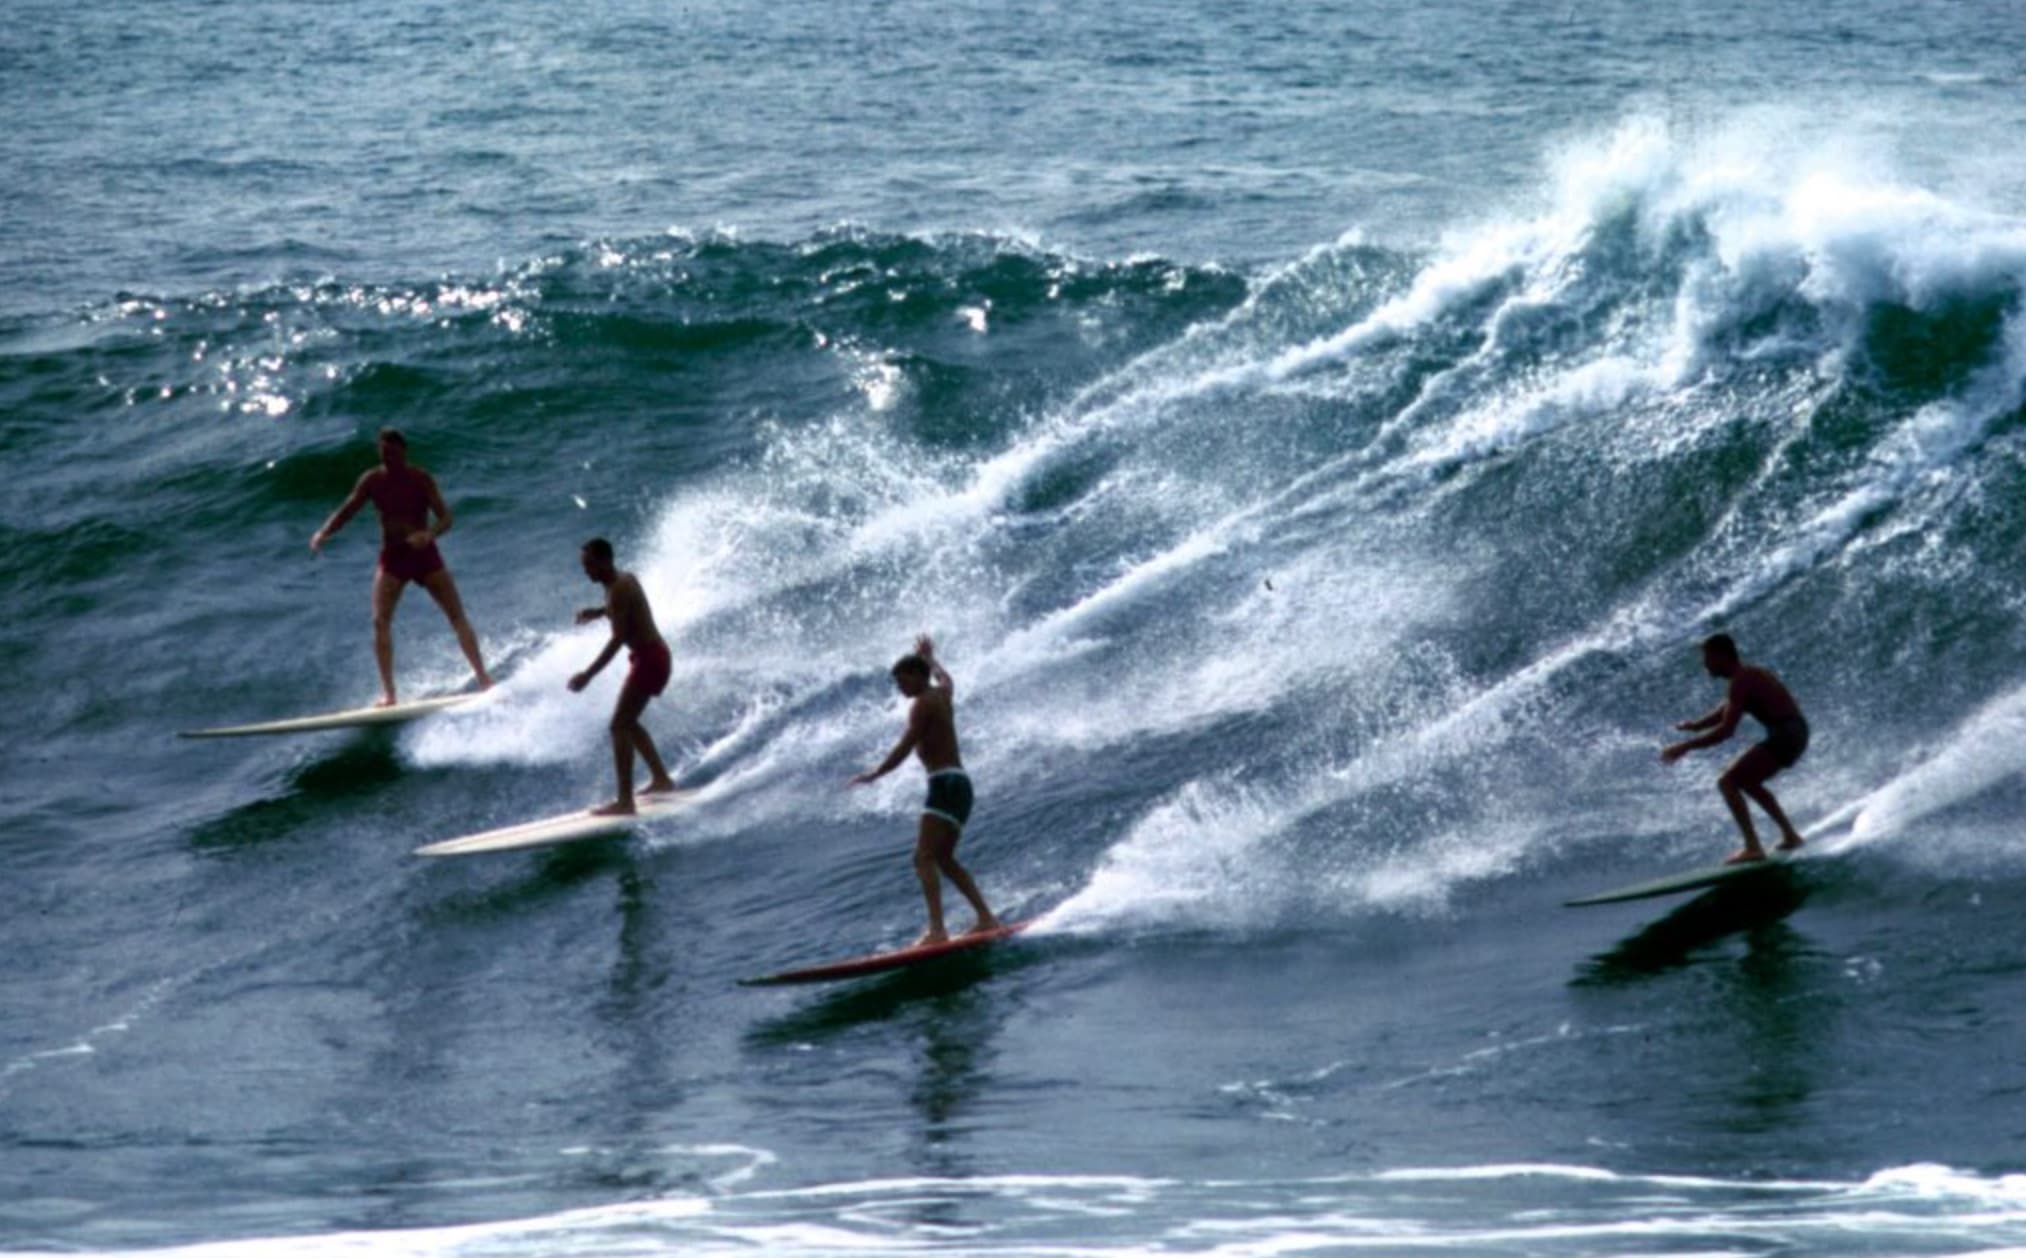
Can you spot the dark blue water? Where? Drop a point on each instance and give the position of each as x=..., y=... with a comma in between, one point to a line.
x=1316, y=439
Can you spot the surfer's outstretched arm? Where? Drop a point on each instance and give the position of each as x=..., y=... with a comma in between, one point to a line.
x=1708, y=719
x=894, y=758
x=343, y=515
x=583, y=679
x=1723, y=726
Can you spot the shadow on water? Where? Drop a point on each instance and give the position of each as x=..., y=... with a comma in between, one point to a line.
x=360, y=766
x=1751, y=907
x=943, y=1019
x=544, y=875
x=857, y=1002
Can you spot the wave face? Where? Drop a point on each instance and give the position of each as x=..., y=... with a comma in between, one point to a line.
x=1315, y=623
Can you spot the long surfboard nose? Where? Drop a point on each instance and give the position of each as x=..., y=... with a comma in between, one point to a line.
x=350, y=718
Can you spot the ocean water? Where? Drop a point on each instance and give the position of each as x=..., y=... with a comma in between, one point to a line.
x=1316, y=435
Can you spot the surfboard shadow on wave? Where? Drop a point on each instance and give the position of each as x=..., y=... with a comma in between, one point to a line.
x=879, y=997
x=1745, y=907
x=355, y=770
x=549, y=874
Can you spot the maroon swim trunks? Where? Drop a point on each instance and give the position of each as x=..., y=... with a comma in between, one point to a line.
x=406, y=563
x=648, y=669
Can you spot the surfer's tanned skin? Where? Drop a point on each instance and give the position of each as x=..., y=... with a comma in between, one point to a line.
x=633, y=628
x=932, y=735
x=405, y=497
x=1754, y=692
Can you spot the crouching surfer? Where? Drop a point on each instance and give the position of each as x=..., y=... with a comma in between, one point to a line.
x=1752, y=691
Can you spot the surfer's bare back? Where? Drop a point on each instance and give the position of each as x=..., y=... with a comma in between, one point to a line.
x=932, y=735
x=1753, y=691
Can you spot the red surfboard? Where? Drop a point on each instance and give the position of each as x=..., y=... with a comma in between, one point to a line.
x=879, y=962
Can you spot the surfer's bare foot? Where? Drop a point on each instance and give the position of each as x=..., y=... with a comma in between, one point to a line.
x=932, y=937
x=1745, y=856
x=386, y=701
x=1791, y=844
x=984, y=924
x=617, y=808
x=660, y=786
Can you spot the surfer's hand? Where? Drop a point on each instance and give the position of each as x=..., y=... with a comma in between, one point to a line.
x=579, y=681
x=925, y=647
x=589, y=614
x=1673, y=752
x=420, y=539
x=317, y=540
x=861, y=779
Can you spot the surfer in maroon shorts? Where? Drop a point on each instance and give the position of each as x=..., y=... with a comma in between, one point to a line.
x=1754, y=692
x=649, y=666
x=932, y=735
x=405, y=497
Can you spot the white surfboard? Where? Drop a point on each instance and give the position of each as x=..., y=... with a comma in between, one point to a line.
x=351, y=718
x=566, y=828
x=1693, y=880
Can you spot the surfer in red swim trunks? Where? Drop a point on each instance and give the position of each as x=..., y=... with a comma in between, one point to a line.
x=1754, y=692
x=647, y=675
x=405, y=497
x=932, y=735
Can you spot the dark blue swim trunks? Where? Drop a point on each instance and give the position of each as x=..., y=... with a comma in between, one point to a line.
x=1787, y=740
x=949, y=796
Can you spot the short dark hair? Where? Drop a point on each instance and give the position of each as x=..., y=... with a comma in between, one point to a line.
x=599, y=548
x=1721, y=643
x=911, y=663
x=394, y=435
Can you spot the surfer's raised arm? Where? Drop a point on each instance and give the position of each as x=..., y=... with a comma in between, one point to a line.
x=346, y=510
x=938, y=675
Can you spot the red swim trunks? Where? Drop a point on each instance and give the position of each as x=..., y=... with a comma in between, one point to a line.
x=648, y=669
x=409, y=564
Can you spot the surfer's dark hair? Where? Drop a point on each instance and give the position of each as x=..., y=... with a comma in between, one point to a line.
x=911, y=663
x=394, y=435
x=1721, y=643
x=599, y=548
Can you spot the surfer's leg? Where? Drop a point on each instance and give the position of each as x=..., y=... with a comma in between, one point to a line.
x=1745, y=777
x=625, y=724
x=949, y=803
x=443, y=588
x=960, y=878
x=932, y=846
x=386, y=596
x=1790, y=838
x=658, y=780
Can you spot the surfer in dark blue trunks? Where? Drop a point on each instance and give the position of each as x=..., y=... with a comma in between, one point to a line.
x=405, y=497
x=932, y=735
x=1753, y=692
